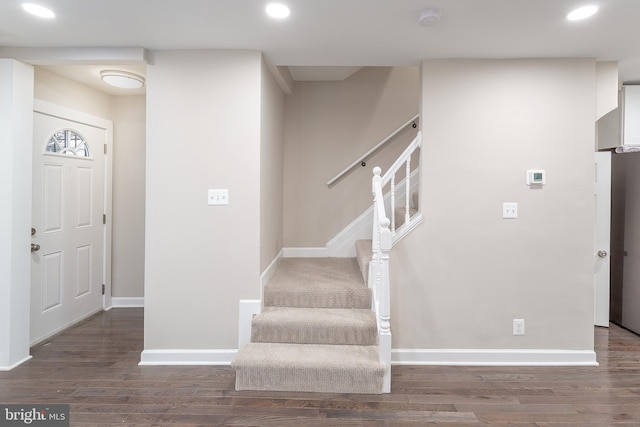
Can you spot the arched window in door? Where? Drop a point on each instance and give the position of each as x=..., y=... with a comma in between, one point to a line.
x=68, y=142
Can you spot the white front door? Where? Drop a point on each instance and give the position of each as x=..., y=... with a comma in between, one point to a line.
x=602, y=235
x=68, y=206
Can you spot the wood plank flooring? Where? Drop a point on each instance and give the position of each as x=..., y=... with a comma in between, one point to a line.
x=93, y=366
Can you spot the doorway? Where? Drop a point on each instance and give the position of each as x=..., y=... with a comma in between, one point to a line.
x=70, y=265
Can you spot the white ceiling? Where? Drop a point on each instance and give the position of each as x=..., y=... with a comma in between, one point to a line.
x=345, y=33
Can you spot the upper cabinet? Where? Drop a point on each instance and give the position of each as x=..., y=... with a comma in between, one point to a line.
x=631, y=115
x=621, y=127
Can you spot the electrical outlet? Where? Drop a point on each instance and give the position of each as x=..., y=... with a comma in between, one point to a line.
x=518, y=326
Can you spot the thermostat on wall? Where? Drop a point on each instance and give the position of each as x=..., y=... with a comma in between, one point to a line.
x=535, y=177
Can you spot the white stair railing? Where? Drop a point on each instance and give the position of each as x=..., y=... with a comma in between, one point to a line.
x=390, y=178
x=382, y=242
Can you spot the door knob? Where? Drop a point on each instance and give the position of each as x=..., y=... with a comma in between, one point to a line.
x=602, y=253
x=35, y=247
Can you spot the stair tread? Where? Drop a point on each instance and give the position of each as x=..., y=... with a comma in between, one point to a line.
x=317, y=282
x=309, y=368
x=315, y=326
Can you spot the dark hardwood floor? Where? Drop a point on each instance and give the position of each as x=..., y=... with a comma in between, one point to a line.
x=93, y=366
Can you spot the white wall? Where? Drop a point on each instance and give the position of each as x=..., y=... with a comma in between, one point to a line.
x=328, y=125
x=129, y=118
x=203, y=132
x=460, y=278
x=271, y=167
x=16, y=130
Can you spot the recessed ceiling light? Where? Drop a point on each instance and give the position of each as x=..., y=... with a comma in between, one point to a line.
x=582, y=13
x=122, y=79
x=278, y=10
x=38, y=10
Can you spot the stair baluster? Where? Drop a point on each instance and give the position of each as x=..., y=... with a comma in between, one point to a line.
x=393, y=203
x=407, y=216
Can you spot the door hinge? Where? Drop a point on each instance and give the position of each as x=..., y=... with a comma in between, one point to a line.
x=103, y=289
x=105, y=149
x=104, y=218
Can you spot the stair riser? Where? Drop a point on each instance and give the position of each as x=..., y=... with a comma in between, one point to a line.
x=309, y=380
x=361, y=300
x=310, y=335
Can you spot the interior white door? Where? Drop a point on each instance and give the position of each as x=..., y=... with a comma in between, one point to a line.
x=68, y=205
x=602, y=237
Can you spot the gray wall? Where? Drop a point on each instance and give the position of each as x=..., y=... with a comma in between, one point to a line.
x=129, y=126
x=271, y=167
x=460, y=278
x=203, y=132
x=328, y=125
x=59, y=90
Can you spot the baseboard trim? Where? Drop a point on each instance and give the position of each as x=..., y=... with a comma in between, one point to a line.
x=305, y=252
x=187, y=357
x=342, y=245
x=268, y=272
x=15, y=365
x=120, y=302
x=480, y=357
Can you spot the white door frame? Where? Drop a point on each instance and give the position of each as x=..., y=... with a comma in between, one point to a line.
x=58, y=111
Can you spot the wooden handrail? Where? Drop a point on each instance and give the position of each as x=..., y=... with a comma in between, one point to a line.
x=373, y=150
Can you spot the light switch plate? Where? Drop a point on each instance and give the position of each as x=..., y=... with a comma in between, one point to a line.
x=510, y=210
x=218, y=197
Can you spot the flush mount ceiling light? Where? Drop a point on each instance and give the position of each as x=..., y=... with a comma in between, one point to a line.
x=122, y=79
x=38, y=10
x=582, y=13
x=429, y=17
x=278, y=10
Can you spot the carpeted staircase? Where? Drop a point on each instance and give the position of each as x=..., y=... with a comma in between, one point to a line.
x=317, y=332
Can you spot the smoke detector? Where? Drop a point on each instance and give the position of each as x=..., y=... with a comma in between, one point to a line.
x=429, y=16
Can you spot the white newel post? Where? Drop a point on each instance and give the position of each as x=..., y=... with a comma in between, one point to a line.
x=379, y=271
x=384, y=307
